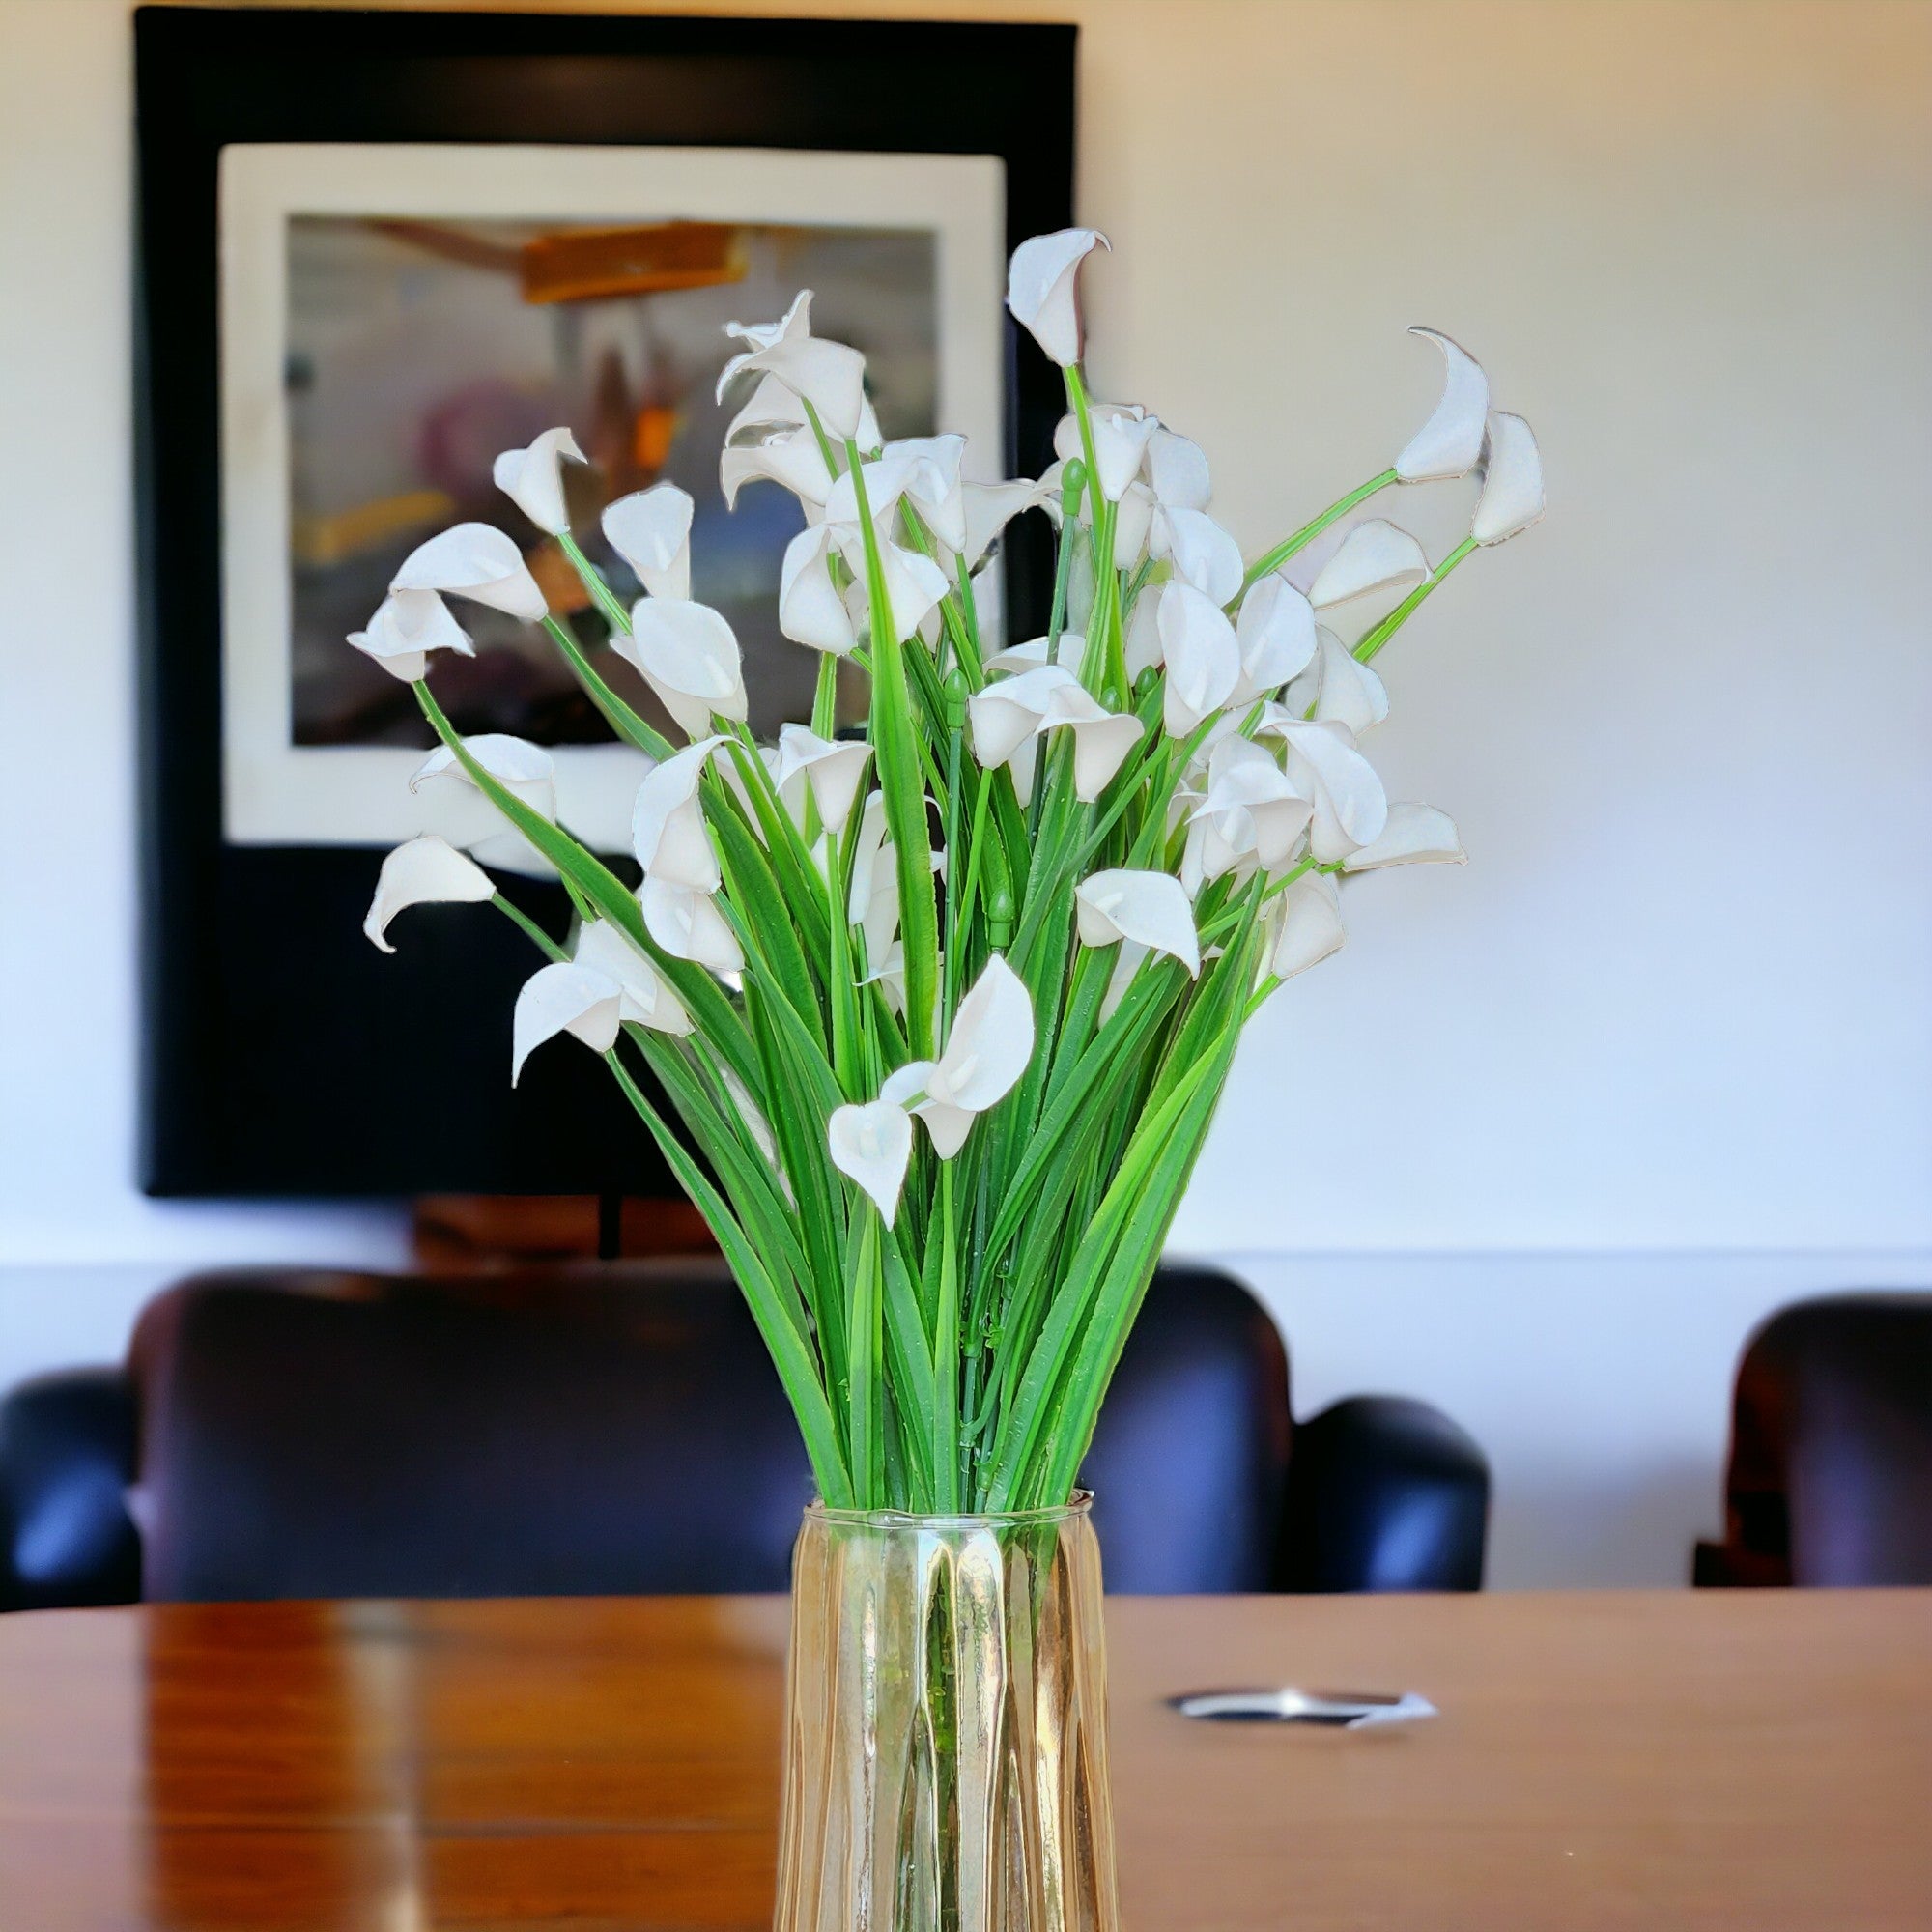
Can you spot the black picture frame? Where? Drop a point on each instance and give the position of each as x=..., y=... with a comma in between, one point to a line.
x=283, y=1055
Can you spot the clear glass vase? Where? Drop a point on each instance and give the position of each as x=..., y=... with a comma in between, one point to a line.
x=946, y=1733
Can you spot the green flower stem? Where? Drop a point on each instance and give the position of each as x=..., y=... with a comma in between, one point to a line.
x=946, y=1456
x=896, y=748
x=600, y=593
x=617, y=714
x=825, y=698
x=1379, y=633
x=538, y=937
x=1273, y=559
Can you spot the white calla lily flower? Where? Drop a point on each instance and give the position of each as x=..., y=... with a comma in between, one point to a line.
x=688, y=656
x=1351, y=805
x=775, y=409
x=1416, y=834
x=1142, y=646
x=564, y=997
x=668, y=830
x=812, y=609
x=1374, y=557
x=871, y=1145
x=1340, y=688
x=477, y=561
x=793, y=460
x=1176, y=471
x=408, y=625
x=834, y=769
x=1008, y=714
x=688, y=925
x=1449, y=444
x=1308, y=926
x=1512, y=496
x=989, y=508
x=1201, y=552
x=533, y=478
x=1202, y=654
x=644, y=998
x=515, y=764
x=1251, y=810
x=828, y=374
x=1134, y=522
x=650, y=529
x=1275, y=635
x=1122, y=432
x=1042, y=289
x=1149, y=908
x=1071, y=648
x=987, y=1051
x=424, y=871
x=914, y=583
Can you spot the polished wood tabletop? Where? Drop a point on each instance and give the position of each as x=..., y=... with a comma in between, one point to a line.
x=1664, y=1762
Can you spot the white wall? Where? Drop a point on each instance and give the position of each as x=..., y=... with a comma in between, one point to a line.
x=1556, y=1129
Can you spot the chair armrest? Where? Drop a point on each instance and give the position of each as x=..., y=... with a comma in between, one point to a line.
x=67, y=1457
x=1383, y=1493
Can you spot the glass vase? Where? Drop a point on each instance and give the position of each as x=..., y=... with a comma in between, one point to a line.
x=946, y=1731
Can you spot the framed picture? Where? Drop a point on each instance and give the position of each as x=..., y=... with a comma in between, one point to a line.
x=377, y=249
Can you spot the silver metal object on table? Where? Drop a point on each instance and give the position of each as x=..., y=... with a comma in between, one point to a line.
x=1347, y=1710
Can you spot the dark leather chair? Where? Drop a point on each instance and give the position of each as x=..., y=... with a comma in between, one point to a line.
x=1830, y=1479
x=619, y=1430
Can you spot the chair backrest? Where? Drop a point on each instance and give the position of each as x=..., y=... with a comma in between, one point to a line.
x=618, y=1429
x=1831, y=1468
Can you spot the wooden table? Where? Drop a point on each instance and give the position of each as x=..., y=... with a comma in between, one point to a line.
x=1729, y=1760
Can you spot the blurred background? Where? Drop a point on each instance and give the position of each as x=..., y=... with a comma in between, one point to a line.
x=1558, y=1129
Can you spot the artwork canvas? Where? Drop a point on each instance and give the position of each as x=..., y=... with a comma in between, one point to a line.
x=393, y=316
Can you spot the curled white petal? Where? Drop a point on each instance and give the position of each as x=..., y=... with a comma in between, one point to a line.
x=644, y=999
x=688, y=925
x=408, y=625
x=533, y=478
x=873, y=1145
x=477, y=561
x=914, y=583
x=1042, y=288
x=811, y=609
x=425, y=872
x=1251, y=810
x=1309, y=926
x=1375, y=555
x=1142, y=645
x=564, y=998
x=1451, y=441
x=1416, y=834
x=1348, y=691
x=1177, y=470
x=650, y=529
x=834, y=769
x=1149, y=908
x=794, y=461
x=515, y=764
x=991, y=1041
x=1069, y=648
x=1512, y=498
x=1202, y=553
x=828, y=374
x=668, y=833
x=688, y=656
x=1133, y=522
x=989, y=508
x=1351, y=805
x=1201, y=655
x=1275, y=634
x=1120, y=436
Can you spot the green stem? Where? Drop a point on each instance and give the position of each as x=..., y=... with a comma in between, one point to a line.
x=617, y=714
x=1273, y=559
x=593, y=579
x=1379, y=633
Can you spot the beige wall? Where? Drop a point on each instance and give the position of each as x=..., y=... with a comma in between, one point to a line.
x=1677, y=1002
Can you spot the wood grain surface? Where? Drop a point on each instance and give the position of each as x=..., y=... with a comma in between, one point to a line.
x=1732, y=1759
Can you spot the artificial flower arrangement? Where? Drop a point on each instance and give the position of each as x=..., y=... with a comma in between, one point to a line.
x=945, y=1008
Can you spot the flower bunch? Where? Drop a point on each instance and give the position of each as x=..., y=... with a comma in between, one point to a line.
x=943, y=1009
